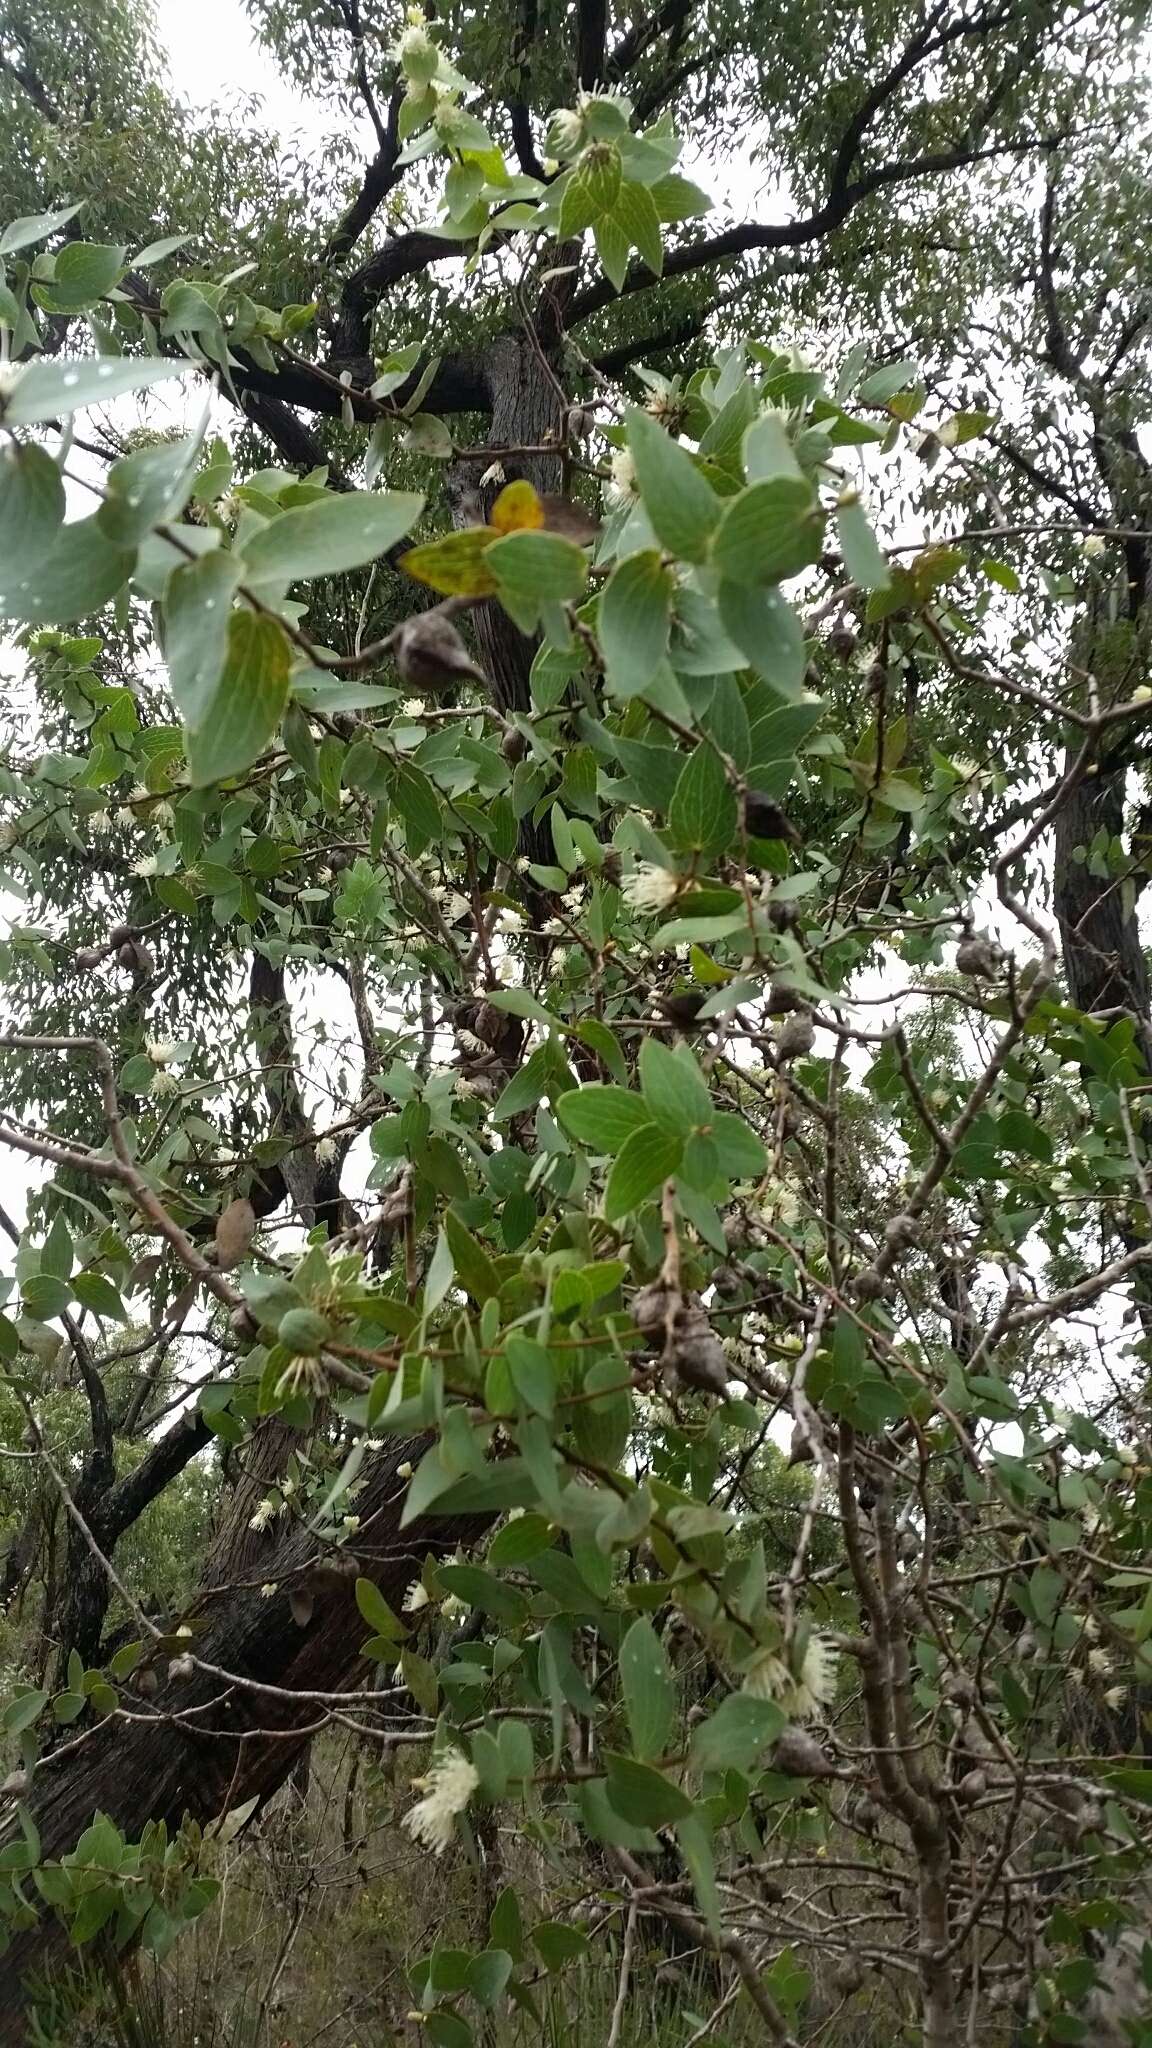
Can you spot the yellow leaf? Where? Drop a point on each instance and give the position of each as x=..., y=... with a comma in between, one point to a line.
x=455, y=563
x=517, y=507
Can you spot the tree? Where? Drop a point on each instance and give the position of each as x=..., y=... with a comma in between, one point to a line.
x=703, y=748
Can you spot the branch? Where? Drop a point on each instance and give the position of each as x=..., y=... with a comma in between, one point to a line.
x=403, y=256
x=289, y=436
x=522, y=138
x=167, y=1458
x=639, y=40
x=380, y=177
x=591, y=41
x=813, y=227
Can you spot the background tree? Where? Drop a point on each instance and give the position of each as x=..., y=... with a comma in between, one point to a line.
x=549, y=954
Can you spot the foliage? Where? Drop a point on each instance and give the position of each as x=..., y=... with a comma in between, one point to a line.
x=581, y=923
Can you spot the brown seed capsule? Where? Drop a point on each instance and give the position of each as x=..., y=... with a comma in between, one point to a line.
x=120, y=934
x=429, y=653
x=514, y=745
x=842, y=643
x=126, y=954
x=796, y=1036
x=978, y=958
x=972, y=1787
x=765, y=820
x=800, y=1755
x=235, y=1229
x=847, y=1976
x=89, y=957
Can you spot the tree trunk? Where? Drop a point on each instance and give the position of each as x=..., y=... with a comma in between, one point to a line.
x=246, y=1744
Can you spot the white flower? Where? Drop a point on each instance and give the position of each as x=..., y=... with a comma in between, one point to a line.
x=816, y=1686
x=447, y=1788
x=553, y=927
x=1115, y=1697
x=464, y=1086
x=565, y=132
x=350, y=1524
x=522, y=864
x=403, y=1471
x=145, y=866
x=624, y=488
x=769, y=1677
x=559, y=961
x=413, y=707
x=264, y=1514
x=99, y=822
x=160, y=1051
x=651, y=888
x=509, y=922
x=452, y=1606
x=494, y=474
x=302, y=1375
x=326, y=1151
x=416, y=53
x=268, y=1588
x=1094, y=545
x=573, y=898
x=163, y=1083
x=415, y=1598
x=1100, y=1662
x=124, y=816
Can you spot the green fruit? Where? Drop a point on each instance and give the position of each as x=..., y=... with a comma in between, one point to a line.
x=303, y=1331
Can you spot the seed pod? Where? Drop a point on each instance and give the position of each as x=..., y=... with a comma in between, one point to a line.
x=780, y=999
x=121, y=935
x=235, y=1229
x=799, y=1755
x=89, y=957
x=303, y=1331
x=796, y=1036
x=126, y=954
x=180, y=1667
x=514, y=745
x=765, y=820
x=972, y=1787
x=429, y=653
x=978, y=958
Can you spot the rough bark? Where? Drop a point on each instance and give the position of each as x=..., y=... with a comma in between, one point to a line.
x=246, y=1744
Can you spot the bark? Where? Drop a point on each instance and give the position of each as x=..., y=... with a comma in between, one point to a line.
x=228, y=1744
x=1103, y=954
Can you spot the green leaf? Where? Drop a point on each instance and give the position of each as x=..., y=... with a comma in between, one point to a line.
x=641, y=1795
x=339, y=532
x=377, y=1613
x=83, y=273
x=591, y=190
x=478, y=1588
x=864, y=559
x=488, y=1975
x=683, y=509
x=558, y=1944
x=31, y=506
x=602, y=1115
x=44, y=1296
x=675, y=1091
x=49, y=390
x=35, y=227
x=636, y=217
x=22, y=1711
x=543, y=566
x=768, y=633
x=80, y=572
x=532, y=1373
x=612, y=248
x=147, y=487
x=248, y=702
x=634, y=620
x=736, y=1735
x=417, y=802
x=702, y=813
x=739, y=1151
x=645, y=1160
x=769, y=531
x=474, y=1269
x=520, y=1540
x=94, y=1291
x=197, y=604
x=649, y=1694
